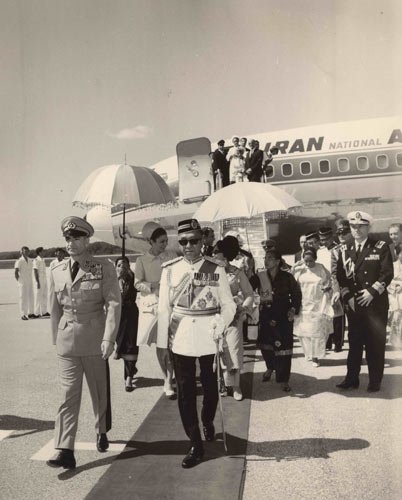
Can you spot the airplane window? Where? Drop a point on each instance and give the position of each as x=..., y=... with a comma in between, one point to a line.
x=287, y=169
x=305, y=168
x=399, y=159
x=343, y=165
x=382, y=161
x=362, y=163
x=324, y=166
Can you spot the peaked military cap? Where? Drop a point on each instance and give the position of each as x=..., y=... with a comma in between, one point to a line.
x=343, y=226
x=325, y=231
x=76, y=226
x=360, y=218
x=188, y=225
x=312, y=234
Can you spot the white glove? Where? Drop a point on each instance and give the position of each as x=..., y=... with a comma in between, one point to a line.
x=217, y=327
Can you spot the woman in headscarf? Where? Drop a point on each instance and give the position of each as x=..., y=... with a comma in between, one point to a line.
x=126, y=340
x=227, y=250
x=314, y=322
x=148, y=271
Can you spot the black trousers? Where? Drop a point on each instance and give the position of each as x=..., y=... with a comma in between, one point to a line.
x=185, y=371
x=280, y=360
x=337, y=337
x=367, y=329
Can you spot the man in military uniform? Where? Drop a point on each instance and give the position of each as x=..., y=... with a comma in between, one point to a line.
x=364, y=271
x=344, y=236
x=85, y=309
x=324, y=255
x=195, y=306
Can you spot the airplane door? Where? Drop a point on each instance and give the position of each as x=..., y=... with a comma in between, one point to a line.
x=195, y=170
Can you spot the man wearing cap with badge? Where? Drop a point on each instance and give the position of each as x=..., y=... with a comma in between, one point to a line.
x=324, y=255
x=364, y=270
x=85, y=305
x=344, y=236
x=313, y=240
x=195, y=307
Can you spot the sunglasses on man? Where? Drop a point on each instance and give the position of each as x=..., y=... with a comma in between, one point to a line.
x=193, y=241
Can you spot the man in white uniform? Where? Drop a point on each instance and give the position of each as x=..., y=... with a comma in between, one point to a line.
x=194, y=303
x=40, y=284
x=23, y=275
x=60, y=254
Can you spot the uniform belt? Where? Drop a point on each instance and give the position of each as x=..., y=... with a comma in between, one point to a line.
x=70, y=316
x=196, y=312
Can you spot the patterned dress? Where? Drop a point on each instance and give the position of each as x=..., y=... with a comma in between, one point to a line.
x=314, y=322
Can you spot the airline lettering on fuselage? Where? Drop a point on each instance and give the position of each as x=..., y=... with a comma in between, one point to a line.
x=396, y=136
x=357, y=143
x=298, y=146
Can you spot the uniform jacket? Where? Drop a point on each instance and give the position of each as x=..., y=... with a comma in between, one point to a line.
x=254, y=162
x=184, y=287
x=372, y=270
x=86, y=311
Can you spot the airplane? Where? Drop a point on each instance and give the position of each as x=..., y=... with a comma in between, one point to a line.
x=331, y=169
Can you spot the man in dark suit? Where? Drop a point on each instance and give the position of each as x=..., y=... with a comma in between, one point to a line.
x=364, y=271
x=254, y=162
x=220, y=165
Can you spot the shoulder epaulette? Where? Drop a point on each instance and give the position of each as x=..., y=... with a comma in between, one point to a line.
x=215, y=261
x=380, y=244
x=170, y=262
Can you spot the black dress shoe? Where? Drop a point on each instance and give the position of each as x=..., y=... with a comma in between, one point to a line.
x=65, y=459
x=348, y=385
x=102, y=443
x=373, y=387
x=193, y=457
x=209, y=432
x=33, y=316
x=25, y=318
x=267, y=375
x=338, y=349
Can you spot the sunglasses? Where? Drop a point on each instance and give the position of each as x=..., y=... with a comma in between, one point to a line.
x=193, y=241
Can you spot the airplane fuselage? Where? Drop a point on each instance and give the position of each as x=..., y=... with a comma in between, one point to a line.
x=331, y=169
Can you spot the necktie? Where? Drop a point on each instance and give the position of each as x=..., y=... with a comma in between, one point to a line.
x=358, y=250
x=74, y=270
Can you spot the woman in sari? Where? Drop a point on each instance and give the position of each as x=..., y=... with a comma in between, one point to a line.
x=148, y=271
x=243, y=295
x=314, y=322
x=126, y=340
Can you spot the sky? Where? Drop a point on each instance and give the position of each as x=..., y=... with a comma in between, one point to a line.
x=86, y=82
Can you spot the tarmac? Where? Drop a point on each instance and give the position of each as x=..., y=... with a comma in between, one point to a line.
x=314, y=442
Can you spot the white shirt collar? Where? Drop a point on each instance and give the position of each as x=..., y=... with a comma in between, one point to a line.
x=362, y=243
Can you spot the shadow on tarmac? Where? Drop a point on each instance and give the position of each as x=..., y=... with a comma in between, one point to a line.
x=305, y=386
x=31, y=425
x=141, y=382
x=294, y=449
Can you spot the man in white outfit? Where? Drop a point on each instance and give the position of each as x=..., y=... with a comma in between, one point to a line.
x=23, y=275
x=40, y=284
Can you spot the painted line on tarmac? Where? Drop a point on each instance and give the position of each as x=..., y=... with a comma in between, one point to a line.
x=5, y=434
x=48, y=450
